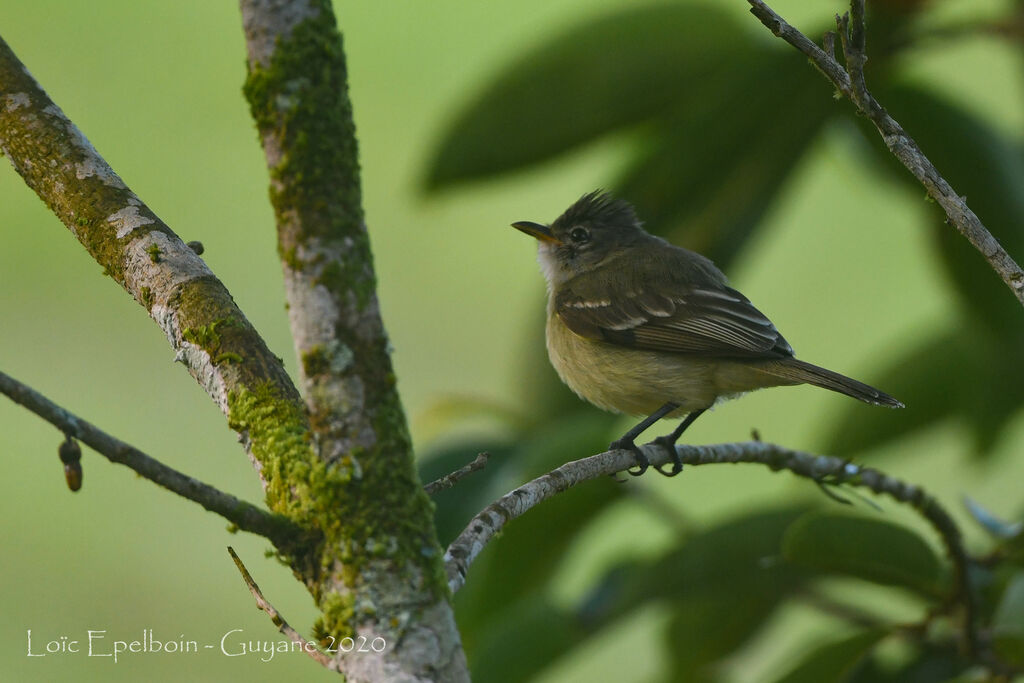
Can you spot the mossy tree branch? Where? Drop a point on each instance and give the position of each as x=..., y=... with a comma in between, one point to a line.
x=381, y=556
x=206, y=330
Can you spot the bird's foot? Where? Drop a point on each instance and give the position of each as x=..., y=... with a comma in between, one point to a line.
x=641, y=460
x=669, y=444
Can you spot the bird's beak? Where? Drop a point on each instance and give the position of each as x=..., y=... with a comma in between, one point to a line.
x=541, y=232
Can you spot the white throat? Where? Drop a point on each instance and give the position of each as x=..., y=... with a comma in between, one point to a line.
x=553, y=273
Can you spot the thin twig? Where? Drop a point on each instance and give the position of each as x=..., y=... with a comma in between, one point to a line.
x=819, y=468
x=451, y=479
x=245, y=516
x=306, y=646
x=902, y=146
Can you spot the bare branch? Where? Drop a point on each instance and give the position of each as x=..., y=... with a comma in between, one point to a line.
x=819, y=468
x=306, y=646
x=451, y=479
x=245, y=516
x=852, y=85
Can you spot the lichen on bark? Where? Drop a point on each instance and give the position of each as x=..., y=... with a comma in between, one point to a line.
x=363, y=494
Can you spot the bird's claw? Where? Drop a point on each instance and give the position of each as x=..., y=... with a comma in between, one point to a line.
x=677, y=463
x=642, y=463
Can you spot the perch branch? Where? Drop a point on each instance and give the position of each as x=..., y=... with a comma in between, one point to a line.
x=309, y=648
x=245, y=516
x=852, y=85
x=819, y=468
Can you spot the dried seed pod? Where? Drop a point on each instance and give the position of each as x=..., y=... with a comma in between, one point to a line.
x=71, y=455
x=73, y=475
x=69, y=451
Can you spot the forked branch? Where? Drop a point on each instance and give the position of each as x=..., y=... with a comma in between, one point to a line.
x=850, y=82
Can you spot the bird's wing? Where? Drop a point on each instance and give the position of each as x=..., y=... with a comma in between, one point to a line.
x=662, y=312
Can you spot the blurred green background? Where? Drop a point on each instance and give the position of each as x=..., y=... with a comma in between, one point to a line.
x=844, y=261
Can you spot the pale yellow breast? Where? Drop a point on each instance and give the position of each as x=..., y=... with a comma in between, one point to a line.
x=636, y=382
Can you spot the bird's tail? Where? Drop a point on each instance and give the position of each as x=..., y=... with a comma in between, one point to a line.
x=800, y=372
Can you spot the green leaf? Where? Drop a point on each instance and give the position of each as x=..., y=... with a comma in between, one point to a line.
x=613, y=71
x=832, y=663
x=723, y=585
x=926, y=664
x=710, y=626
x=1008, y=623
x=865, y=548
x=714, y=165
x=954, y=373
x=929, y=379
x=530, y=636
x=1014, y=549
x=745, y=549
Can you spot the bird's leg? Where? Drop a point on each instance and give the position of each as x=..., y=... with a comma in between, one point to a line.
x=625, y=442
x=669, y=443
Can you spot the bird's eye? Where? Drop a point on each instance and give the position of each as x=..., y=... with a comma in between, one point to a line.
x=579, y=235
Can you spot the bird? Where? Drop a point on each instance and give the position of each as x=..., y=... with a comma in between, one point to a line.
x=640, y=326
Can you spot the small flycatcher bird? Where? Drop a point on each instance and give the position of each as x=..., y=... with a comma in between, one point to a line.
x=639, y=326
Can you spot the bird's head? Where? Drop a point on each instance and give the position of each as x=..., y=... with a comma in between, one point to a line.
x=590, y=232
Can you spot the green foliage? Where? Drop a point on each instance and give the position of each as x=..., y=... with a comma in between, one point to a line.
x=724, y=585
x=717, y=157
x=707, y=628
x=533, y=625
x=926, y=664
x=930, y=395
x=722, y=117
x=585, y=84
x=1008, y=623
x=833, y=662
x=1008, y=626
x=865, y=548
